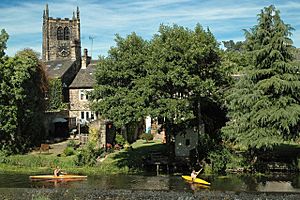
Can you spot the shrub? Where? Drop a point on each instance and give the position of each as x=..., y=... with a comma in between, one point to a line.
x=219, y=159
x=147, y=136
x=72, y=144
x=69, y=151
x=120, y=139
x=88, y=155
x=93, y=135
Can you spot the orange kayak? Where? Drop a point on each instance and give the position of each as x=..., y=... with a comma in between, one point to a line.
x=60, y=177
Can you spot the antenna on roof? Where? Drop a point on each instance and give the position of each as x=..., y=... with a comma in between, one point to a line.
x=92, y=38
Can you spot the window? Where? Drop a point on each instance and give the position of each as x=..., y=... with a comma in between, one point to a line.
x=88, y=115
x=84, y=94
x=60, y=33
x=66, y=33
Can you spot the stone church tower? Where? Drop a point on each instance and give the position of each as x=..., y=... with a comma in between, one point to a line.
x=61, y=37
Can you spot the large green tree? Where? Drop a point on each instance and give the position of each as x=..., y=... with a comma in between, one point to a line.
x=176, y=76
x=22, y=86
x=118, y=97
x=184, y=78
x=264, y=105
x=234, y=58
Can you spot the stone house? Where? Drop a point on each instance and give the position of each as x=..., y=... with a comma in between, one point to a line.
x=79, y=92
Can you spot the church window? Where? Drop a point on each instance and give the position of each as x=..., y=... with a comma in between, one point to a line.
x=60, y=33
x=66, y=33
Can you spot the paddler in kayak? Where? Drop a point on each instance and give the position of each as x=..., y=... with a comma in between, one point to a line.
x=194, y=174
x=57, y=171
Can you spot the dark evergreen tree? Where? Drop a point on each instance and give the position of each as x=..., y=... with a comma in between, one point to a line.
x=264, y=105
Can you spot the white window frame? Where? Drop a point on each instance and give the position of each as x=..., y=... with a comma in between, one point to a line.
x=89, y=114
x=83, y=96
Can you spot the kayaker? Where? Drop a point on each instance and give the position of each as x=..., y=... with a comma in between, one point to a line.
x=194, y=174
x=57, y=171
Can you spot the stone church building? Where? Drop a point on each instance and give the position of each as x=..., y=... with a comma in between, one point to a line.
x=61, y=53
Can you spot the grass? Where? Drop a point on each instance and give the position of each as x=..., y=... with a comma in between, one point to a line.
x=119, y=162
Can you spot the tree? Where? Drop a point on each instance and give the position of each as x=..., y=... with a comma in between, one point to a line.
x=3, y=39
x=184, y=78
x=55, y=101
x=116, y=93
x=264, y=105
x=234, y=57
x=22, y=87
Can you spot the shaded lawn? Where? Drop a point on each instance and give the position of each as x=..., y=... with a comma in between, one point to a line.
x=134, y=158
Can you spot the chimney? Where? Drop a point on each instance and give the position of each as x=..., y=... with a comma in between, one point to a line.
x=86, y=60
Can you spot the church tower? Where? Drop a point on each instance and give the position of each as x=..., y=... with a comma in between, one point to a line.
x=61, y=37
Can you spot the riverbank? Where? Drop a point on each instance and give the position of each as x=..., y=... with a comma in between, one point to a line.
x=124, y=161
x=91, y=194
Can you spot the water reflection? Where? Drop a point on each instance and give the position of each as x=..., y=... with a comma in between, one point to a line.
x=274, y=183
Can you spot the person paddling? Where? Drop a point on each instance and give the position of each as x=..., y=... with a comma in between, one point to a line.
x=194, y=174
x=57, y=171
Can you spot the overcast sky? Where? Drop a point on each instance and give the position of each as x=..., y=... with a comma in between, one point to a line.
x=102, y=19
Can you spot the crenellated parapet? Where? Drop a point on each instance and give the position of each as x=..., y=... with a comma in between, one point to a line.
x=61, y=37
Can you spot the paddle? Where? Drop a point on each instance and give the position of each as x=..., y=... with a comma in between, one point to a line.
x=198, y=172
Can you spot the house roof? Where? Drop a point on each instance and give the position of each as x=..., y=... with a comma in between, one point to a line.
x=57, y=68
x=85, y=77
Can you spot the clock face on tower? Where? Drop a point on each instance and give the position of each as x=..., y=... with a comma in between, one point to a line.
x=63, y=50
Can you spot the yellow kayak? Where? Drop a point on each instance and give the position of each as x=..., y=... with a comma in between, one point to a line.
x=60, y=177
x=197, y=180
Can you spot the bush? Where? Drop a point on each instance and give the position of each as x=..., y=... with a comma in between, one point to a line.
x=219, y=159
x=72, y=144
x=69, y=151
x=93, y=135
x=88, y=155
x=147, y=136
x=120, y=139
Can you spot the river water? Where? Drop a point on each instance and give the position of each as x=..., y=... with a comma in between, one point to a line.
x=287, y=183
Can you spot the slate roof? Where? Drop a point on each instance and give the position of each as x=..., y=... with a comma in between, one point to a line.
x=85, y=77
x=57, y=68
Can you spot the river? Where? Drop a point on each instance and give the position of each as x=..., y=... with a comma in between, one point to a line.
x=286, y=183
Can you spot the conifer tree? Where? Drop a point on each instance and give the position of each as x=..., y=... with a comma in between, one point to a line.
x=264, y=105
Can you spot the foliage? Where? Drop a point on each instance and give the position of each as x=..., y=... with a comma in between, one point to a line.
x=88, y=155
x=93, y=135
x=264, y=105
x=184, y=74
x=55, y=96
x=147, y=136
x=219, y=159
x=69, y=151
x=116, y=75
x=234, y=58
x=120, y=139
x=22, y=90
x=72, y=143
x=118, y=97
x=3, y=39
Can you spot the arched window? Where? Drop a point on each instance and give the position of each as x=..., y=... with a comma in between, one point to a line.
x=60, y=33
x=66, y=33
